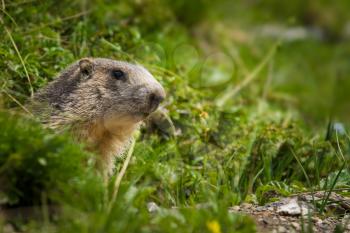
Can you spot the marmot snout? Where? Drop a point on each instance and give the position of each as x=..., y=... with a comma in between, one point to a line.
x=102, y=101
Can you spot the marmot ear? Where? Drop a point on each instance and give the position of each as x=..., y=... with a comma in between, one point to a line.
x=86, y=66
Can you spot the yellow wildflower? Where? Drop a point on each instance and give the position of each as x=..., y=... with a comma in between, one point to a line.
x=214, y=226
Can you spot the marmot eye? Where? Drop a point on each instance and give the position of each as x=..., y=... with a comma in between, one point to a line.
x=119, y=75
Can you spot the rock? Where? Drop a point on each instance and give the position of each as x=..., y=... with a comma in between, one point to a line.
x=235, y=208
x=260, y=208
x=283, y=219
x=247, y=205
x=296, y=226
x=152, y=207
x=281, y=229
x=293, y=208
x=346, y=222
x=8, y=228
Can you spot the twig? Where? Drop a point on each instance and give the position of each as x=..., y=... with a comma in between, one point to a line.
x=168, y=119
x=120, y=177
x=338, y=145
x=17, y=102
x=9, y=16
x=268, y=80
x=249, y=78
x=162, y=70
x=20, y=58
x=301, y=166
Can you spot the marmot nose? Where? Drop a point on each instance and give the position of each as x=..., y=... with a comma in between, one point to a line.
x=155, y=98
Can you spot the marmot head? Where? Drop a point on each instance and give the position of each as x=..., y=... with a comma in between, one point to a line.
x=119, y=93
x=126, y=92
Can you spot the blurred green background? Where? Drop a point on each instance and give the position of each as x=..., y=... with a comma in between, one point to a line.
x=257, y=92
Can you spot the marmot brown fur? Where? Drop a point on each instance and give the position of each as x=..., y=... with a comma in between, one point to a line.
x=102, y=101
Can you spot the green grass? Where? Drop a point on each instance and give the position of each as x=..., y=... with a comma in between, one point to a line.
x=252, y=115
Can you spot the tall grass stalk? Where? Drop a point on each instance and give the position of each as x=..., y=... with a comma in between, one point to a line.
x=120, y=177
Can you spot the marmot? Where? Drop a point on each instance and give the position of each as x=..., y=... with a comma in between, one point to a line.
x=102, y=101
